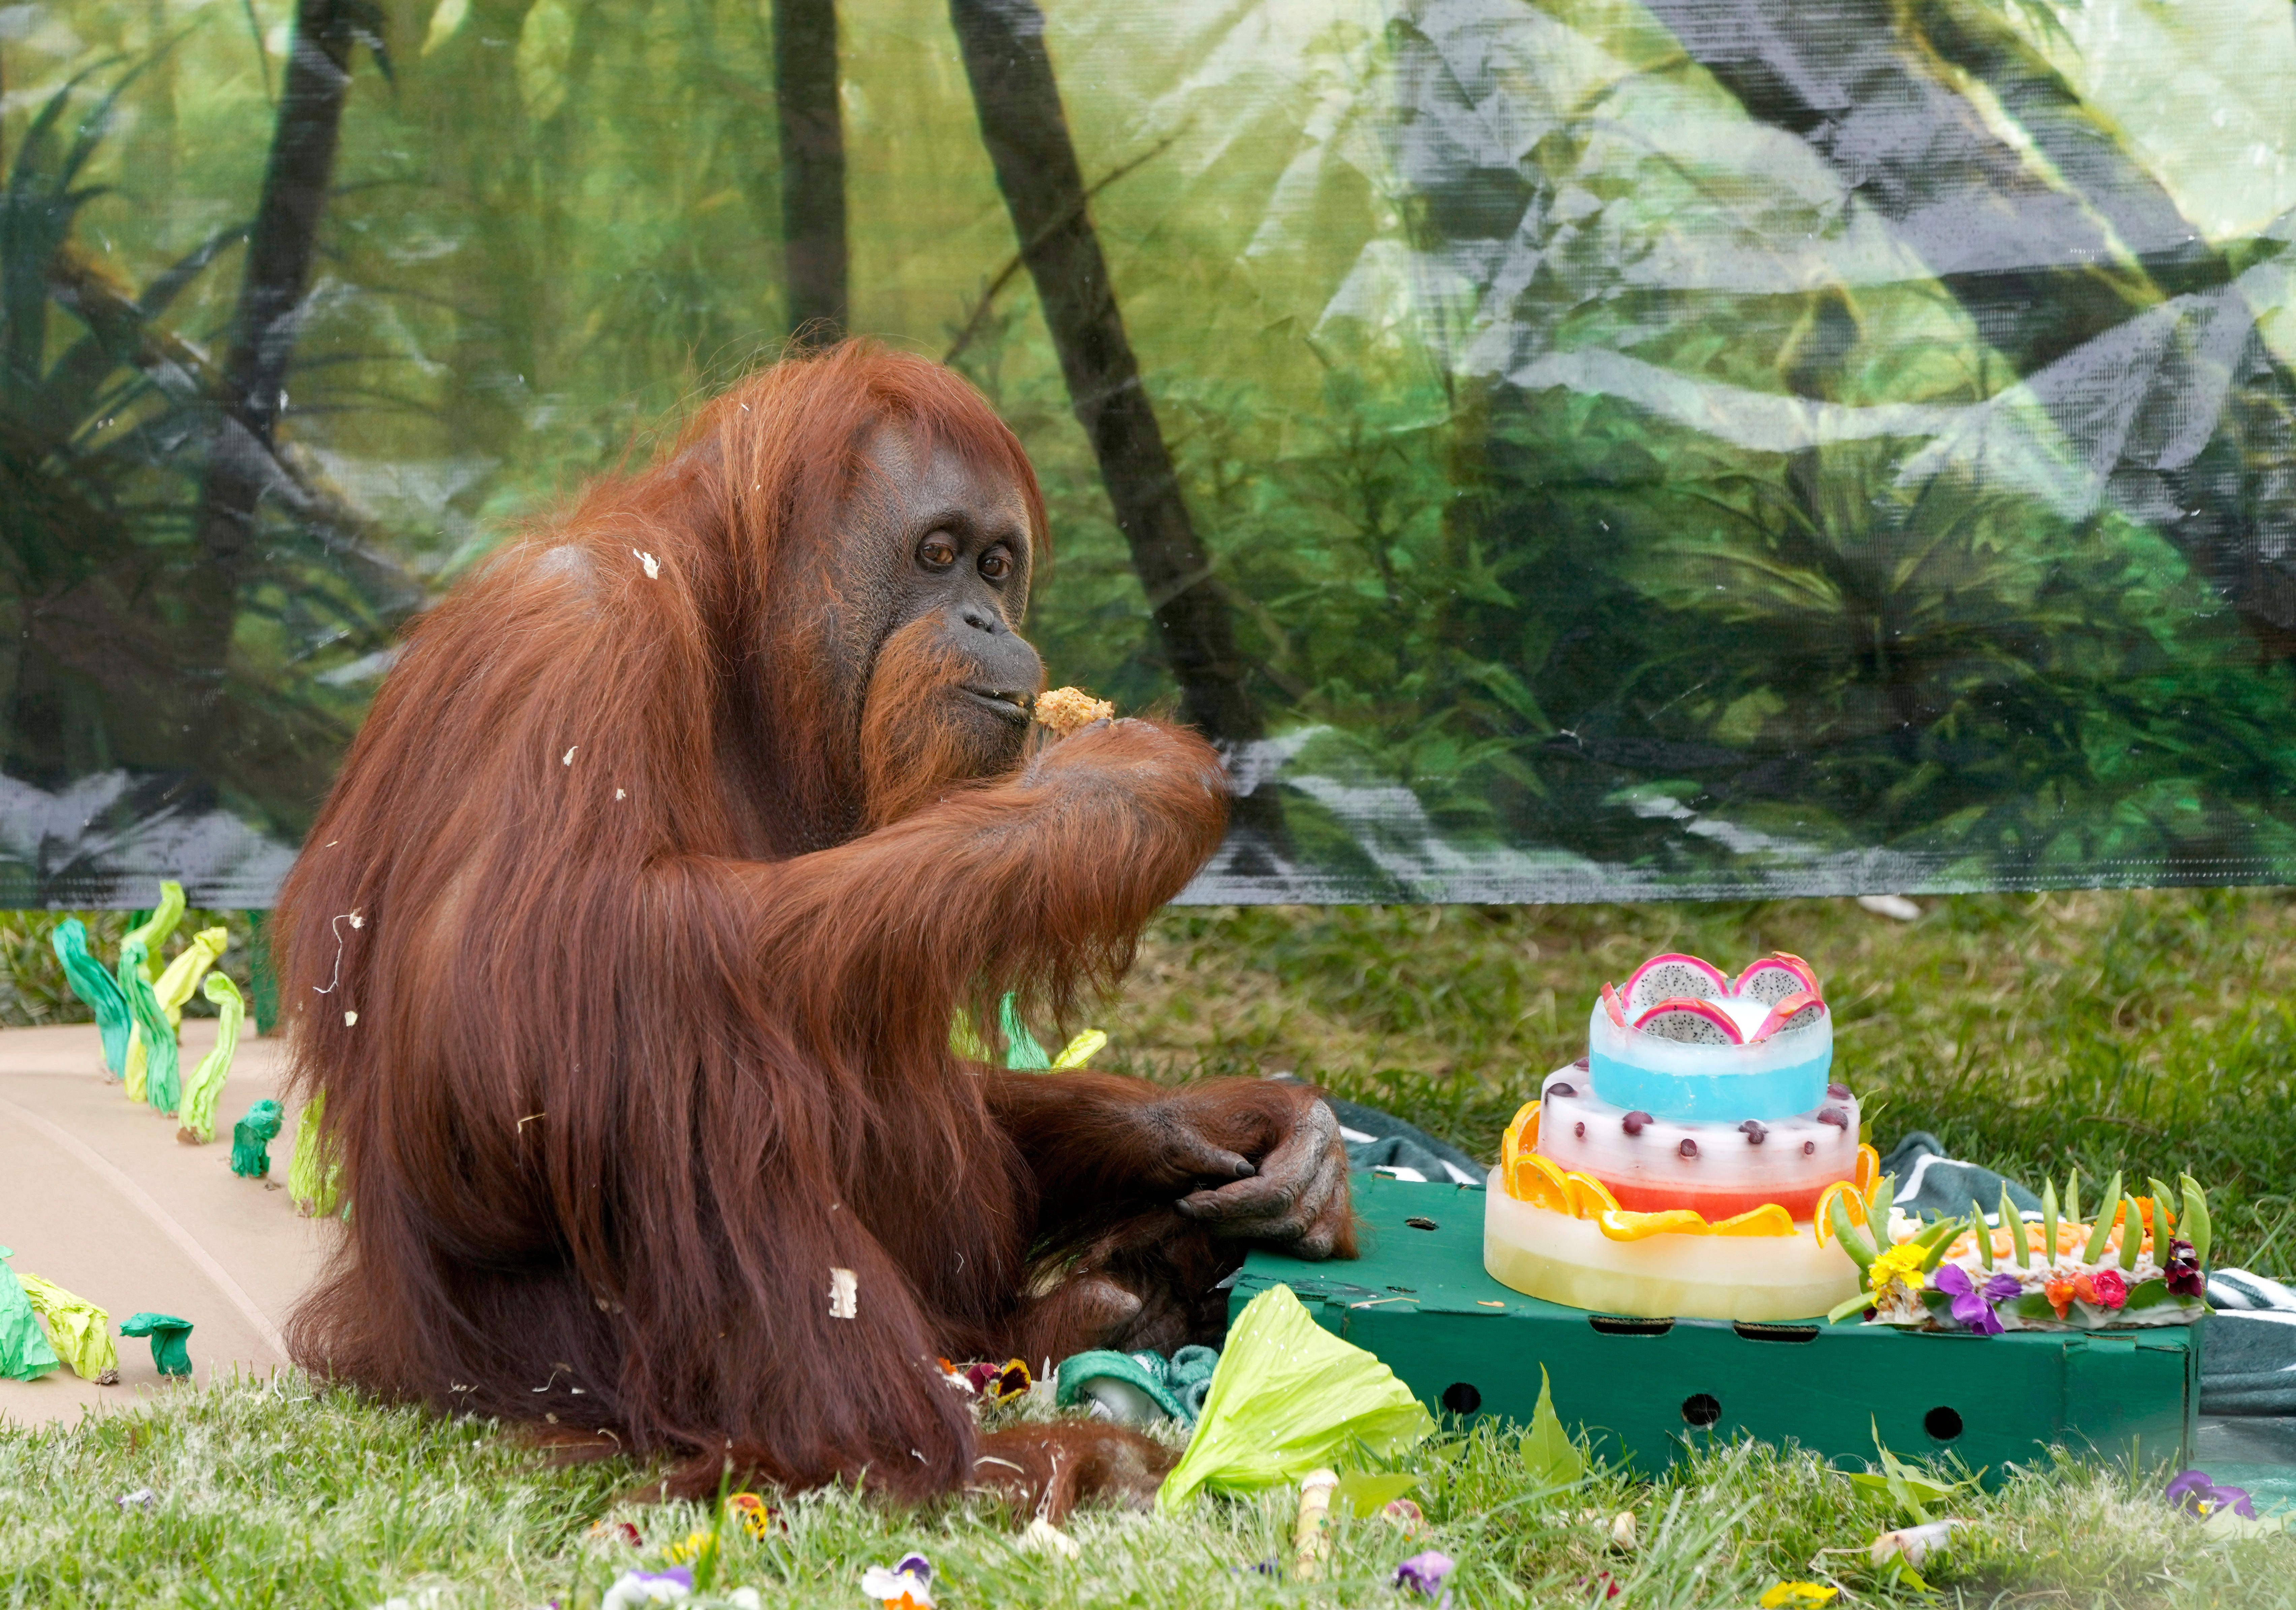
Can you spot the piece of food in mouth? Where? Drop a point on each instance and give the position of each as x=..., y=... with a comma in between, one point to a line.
x=1069, y=709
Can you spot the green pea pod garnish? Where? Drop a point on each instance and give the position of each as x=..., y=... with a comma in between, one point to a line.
x=1852, y=1239
x=2072, y=1197
x=2164, y=1218
x=2196, y=1217
x=1877, y=1205
x=2014, y=1222
x=2103, y=1227
x=2049, y=1221
x=1940, y=1236
x=1984, y=1235
x=2132, y=1233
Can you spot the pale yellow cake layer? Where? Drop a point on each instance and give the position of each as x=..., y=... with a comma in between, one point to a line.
x=1543, y=1254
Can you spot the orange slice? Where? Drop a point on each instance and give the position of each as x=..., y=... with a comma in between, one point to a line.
x=1768, y=1219
x=1590, y=1196
x=1869, y=1170
x=1536, y=1180
x=1619, y=1224
x=1850, y=1197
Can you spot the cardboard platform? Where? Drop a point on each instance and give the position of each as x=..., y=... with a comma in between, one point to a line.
x=1645, y=1389
x=97, y=1195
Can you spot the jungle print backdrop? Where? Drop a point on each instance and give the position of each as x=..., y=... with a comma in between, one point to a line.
x=1561, y=450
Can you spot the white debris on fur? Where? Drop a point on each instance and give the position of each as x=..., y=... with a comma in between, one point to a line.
x=844, y=1294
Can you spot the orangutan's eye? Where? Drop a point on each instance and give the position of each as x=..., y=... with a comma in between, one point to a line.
x=937, y=553
x=996, y=564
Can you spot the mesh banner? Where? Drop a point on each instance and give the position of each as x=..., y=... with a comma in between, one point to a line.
x=1565, y=450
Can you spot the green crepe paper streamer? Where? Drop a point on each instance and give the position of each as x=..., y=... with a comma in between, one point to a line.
x=168, y=1334
x=1022, y=1053
x=1289, y=1396
x=250, y=1139
x=77, y=1330
x=25, y=1354
x=313, y=1178
x=153, y=932
x=206, y=1082
x=162, y=1086
x=97, y=989
x=182, y=978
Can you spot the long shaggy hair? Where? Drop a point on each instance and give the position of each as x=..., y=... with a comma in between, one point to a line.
x=626, y=959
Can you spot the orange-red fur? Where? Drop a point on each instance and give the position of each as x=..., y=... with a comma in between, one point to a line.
x=668, y=892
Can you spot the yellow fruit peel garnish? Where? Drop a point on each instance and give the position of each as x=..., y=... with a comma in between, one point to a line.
x=1621, y=1226
x=1768, y=1219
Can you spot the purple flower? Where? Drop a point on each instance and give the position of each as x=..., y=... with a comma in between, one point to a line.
x=1973, y=1305
x=2183, y=1271
x=1423, y=1573
x=2195, y=1494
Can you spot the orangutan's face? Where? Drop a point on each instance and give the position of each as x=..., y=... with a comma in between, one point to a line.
x=941, y=553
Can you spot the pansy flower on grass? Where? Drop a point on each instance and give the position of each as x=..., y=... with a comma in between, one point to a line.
x=908, y=1586
x=2196, y=1495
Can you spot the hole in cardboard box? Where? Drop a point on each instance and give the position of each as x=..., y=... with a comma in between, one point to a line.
x=1701, y=1410
x=1461, y=1399
x=1942, y=1423
x=1418, y=1223
x=1754, y=1331
x=1620, y=1324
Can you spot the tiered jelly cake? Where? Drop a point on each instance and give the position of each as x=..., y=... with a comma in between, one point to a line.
x=1684, y=1166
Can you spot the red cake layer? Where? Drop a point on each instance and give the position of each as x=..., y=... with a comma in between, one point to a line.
x=1639, y=1197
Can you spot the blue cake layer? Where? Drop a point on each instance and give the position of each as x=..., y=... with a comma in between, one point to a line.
x=1776, y=1078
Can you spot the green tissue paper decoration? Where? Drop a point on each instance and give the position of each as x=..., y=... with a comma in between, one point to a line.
x=170, y=1355
x=182, y=978
x=152, y=932
x=315, y=1175
x=1290, y=1397
x=77, y=1330
x=25, y=1354
x=155, y=1079
x=252, y=1138
x=97, y=989
x=206, y=1082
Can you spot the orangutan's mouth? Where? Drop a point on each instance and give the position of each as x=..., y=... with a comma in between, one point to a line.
x=1012, y=707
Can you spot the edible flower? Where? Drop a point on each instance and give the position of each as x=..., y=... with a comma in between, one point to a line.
x=1423, y=1575
x=752, y=1513
x=908, y=1586
x=1972, y=1304
x=2183, y=1270
x=1797, y=1596
x=2060, y=1294
x=1901, y=1264
x=2192, y=1492
x=2106, y=1289
x=999, y=1383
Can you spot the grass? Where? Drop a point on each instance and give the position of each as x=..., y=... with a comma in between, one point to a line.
x=273, y=1494
x=2148, y=1029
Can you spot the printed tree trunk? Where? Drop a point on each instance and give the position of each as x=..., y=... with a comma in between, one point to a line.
x=813, y=167
x=2043, y=262
x=1026, y=130
x=281, y=245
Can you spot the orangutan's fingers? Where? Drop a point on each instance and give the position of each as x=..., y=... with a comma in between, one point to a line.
x=1298, y=1172
x=1194, y=1157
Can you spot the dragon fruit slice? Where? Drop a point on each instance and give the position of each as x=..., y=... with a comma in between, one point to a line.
x=1613, y=1005
x=1673, y=977
x=1799, y=1010
x=1774, y=977
x=1696, y=1023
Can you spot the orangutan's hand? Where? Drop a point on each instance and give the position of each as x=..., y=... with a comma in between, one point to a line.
x=1275, y=1151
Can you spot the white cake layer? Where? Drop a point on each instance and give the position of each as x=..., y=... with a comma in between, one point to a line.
x=1570, y=1260
x=1797, y=1153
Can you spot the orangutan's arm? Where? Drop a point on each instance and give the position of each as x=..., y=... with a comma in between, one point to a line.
x=1246, y=1158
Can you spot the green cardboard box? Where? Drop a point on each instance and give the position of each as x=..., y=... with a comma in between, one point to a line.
x=1646, y=1389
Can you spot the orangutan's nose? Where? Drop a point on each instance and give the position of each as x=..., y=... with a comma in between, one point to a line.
x=981, y=619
